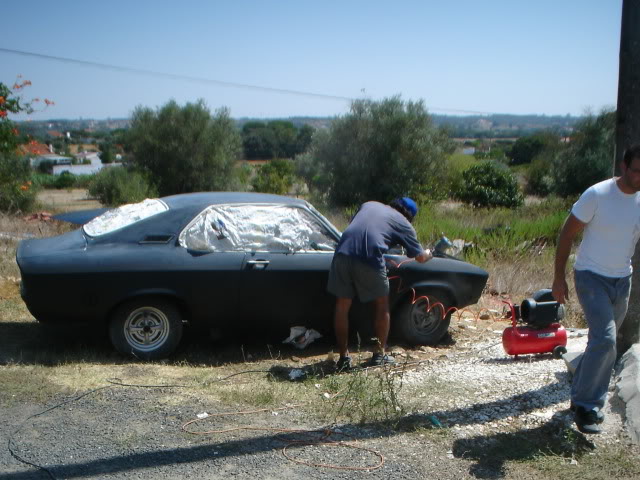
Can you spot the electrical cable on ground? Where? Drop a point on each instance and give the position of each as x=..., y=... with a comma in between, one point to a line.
x=10, y=442
x=112, y=381
x=321, y=442
x=117, y=382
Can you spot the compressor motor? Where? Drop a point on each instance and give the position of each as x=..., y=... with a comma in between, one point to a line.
x=542, y=332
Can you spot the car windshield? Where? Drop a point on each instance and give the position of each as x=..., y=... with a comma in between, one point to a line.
x=272, y=228
x=124, y=216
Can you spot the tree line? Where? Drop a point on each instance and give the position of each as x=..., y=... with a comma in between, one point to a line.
x=378, y=150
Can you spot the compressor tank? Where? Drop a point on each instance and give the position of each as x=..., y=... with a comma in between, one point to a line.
x=524, y=340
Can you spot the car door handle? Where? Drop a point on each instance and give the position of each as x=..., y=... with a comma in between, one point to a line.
x=258, y=264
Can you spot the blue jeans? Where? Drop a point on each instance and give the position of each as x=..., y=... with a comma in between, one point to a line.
x=604, y=301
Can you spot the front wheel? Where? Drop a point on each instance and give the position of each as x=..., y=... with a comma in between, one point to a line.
x=148, y=329
x=423, y=322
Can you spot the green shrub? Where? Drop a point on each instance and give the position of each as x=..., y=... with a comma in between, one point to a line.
x=540, y=176
x=455, y=165
x=44, y=180
x=115, y=186
x=17, y=191
x=277, y=176
x=490, y=184
x=65, y=180
x=83, y=181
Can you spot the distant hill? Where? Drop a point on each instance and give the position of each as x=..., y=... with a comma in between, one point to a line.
x=502, y=125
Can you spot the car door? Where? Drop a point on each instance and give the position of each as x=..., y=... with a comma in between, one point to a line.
x=281, y=290
x=210, y=271
x=284, y=279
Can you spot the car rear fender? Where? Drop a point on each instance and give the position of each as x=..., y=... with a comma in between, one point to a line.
x=423, y=288
x=151, y=295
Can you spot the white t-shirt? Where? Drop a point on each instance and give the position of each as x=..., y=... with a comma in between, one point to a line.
x=612, y=230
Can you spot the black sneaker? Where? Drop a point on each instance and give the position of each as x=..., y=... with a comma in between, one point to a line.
x=587, y=420
x=380, y=359
x=344, y=364
x=599, y=413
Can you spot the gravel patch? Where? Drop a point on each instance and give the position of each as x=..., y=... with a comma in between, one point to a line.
x=491, y=391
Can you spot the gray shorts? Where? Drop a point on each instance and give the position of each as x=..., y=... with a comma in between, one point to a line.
x=349, y=275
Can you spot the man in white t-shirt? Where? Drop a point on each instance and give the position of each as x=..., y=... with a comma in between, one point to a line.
x=609, y=214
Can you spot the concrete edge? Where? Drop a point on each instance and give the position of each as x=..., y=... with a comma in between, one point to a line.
x=628, y=389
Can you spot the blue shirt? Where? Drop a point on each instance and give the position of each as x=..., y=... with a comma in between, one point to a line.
x=373, y=230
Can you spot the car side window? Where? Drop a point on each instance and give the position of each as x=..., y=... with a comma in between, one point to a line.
x=244, y=227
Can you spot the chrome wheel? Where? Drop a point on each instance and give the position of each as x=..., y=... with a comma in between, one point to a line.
x=146, y=329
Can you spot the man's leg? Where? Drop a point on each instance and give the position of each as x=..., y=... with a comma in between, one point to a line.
x=598, y=297
x=341, y=324
x=381, y=322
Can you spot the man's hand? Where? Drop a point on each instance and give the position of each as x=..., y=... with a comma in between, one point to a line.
x=425, y=256
x=560, y=289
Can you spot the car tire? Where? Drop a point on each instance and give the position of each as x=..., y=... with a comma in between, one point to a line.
x=417, y=324
x=148, y=329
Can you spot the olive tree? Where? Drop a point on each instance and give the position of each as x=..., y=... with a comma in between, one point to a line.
x=588, y=157
x=380, y=150
x=185, y=149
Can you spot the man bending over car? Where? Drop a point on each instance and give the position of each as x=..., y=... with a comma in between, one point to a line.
x=359, y=267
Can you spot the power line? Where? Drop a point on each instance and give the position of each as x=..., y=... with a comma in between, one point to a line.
x=208, y=81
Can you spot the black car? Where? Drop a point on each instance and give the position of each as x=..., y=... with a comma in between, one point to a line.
x=247, y=262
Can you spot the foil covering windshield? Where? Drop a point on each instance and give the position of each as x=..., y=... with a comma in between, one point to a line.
x=124, y=216
x=272, y=228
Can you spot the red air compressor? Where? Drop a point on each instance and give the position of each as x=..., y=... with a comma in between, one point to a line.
x=542, y=332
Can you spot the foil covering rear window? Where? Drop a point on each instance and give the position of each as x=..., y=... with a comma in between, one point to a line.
x=124, y=216
x=272, y=228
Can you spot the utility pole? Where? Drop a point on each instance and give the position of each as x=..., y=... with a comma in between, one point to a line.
x=627, y=134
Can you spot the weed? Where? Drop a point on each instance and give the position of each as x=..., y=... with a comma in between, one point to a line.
x=367, y=395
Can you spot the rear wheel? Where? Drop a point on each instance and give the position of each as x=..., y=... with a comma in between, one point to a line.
x=423, y=322
x=148, y=329
x=559, y=351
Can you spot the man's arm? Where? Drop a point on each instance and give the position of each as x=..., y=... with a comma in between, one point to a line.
x=571, y=228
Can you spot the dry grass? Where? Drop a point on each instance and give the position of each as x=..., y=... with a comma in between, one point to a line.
x=57, y=201
x=13, y=229
x=519, y=277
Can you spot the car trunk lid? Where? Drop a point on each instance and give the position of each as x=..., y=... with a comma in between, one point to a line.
x=36, y=247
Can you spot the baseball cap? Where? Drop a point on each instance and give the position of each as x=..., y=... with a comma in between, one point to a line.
x=410, y=205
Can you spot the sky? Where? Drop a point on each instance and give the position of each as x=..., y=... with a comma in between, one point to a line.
x=277, y=59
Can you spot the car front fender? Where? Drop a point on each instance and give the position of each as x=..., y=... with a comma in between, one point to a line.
x=150, y=293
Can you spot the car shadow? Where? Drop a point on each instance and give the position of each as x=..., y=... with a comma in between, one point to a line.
x=31, y=343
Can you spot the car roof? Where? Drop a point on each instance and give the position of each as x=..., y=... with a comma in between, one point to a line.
x=204, y=199
x=192, y=202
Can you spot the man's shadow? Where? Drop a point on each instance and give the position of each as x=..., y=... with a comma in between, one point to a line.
x=491, y=452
